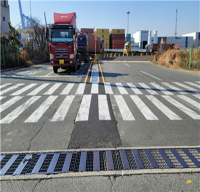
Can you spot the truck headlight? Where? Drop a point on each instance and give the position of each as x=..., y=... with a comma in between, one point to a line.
x=51, y=56
x=71, y=56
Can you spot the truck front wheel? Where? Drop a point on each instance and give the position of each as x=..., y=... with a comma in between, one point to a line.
x=55, y=69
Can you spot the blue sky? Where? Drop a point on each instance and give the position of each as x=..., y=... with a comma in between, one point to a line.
x=144, y=15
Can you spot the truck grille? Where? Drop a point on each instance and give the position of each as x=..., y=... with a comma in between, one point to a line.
x=61, y=53
x=61, y=50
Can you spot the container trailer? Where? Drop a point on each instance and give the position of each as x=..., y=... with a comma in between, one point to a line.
x=63, y=43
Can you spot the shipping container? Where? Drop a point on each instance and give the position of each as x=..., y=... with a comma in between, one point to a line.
x=106, y=45
x=118, y=41
x=87, y=30
x=117, y=31
x=117, y=36
x=91, y=46
x=104, y=31
x=117, y=46
x=103, y=36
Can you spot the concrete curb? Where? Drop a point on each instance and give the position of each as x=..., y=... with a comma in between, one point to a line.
x=101, y=173
x=98, y=149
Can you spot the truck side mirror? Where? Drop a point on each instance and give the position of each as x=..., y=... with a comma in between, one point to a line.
x=73, y=37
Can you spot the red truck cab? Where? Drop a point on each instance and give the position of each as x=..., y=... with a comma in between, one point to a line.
x=63, y=43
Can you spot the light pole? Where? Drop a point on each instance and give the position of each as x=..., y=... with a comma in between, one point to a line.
x=128, y=12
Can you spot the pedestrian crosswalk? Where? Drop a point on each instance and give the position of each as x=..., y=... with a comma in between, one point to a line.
x=150, y=100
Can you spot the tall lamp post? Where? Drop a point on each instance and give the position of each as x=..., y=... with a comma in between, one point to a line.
x=128, y=12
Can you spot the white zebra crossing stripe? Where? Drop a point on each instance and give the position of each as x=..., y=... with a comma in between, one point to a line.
x=134, y=89
x=104, y=113
x=83, y=113
x=183, y=108
x=95, y=88
x=165, y=110
x=187, y=87
x=14, y=114
x=121, y=89
x=123, y=108
x=143, y=108
x=12, y=88
x=63, y=109
x=2, y=97
x=5, y=85
x=37, y=114
x=24, y=89
x=81, y=89
x=95, y=74
x=37, y=90
x=174, y=88
x=52, y=89
x=193, y=84
x=7, y=104
x=198, y=81
x=197, y=96
x=67, y=89
x=165, y=91
x=148, y=88
x=108, y=88
x=191, y=101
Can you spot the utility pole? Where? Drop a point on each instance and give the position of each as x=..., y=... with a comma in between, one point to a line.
x=128, y=12
x=176, y=23
x=30, y=8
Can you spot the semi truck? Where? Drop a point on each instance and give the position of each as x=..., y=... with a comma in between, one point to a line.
x=83, y=46
x=63, y=43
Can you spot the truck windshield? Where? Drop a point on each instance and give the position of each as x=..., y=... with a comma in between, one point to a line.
x=82, y=41
x=61, y=35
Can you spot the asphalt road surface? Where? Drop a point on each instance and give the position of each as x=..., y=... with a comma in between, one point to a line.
x=133, y=104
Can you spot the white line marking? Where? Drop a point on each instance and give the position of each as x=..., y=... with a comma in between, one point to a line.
x=22, y=165
x=190, y=101
x=123, y=108
x=48, y=74
x=67, y=89
x=187, y=87
x=127, y=65
x=147, y=88
x=53, y=163
x=104, y=113
x=183, y=108
x=108, y=88
x=165, y=91
x=2, y=156
x=39, y=164
x=134, y=89
x=14, y=114
x=174, y=88
x=37, y=114
x=197, y=96
x=193, y=84
x=143, y=108
x=24, y=89
x=198, y=81
x=2, y=97
x=80, y=89
x=37, y=90
x=150, y=75
x=11, y=88
x=170, y=114
x=95, y=74
x=63, y=109
x=95, y=88
x=7, y=104
x=52, y=89
x=5, y=85
x=83, y=113
x=121, y=89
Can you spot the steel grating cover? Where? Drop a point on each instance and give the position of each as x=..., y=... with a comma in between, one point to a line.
x=104, y=160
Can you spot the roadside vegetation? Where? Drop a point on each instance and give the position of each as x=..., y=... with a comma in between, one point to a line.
x=179, y=59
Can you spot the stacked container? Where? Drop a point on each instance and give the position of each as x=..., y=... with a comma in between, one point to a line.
x=117, y=38
x=87, y=30
x=104, y=34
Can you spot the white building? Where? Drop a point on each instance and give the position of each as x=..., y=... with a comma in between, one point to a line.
x=5, y=17
x=196, y=38
x=141, y=37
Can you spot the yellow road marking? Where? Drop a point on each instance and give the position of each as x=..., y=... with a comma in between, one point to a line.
x=101, y=73
x=87, y=73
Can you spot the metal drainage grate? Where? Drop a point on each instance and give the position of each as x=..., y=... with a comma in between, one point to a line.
x=108, y=160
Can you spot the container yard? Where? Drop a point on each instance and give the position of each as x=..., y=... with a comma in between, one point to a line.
x=117, y=38
x=103, y=34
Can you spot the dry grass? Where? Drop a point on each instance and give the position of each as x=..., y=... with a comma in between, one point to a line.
x=179, y=59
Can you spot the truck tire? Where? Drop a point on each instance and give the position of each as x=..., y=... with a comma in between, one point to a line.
x=75, y=67
x=55, y=69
